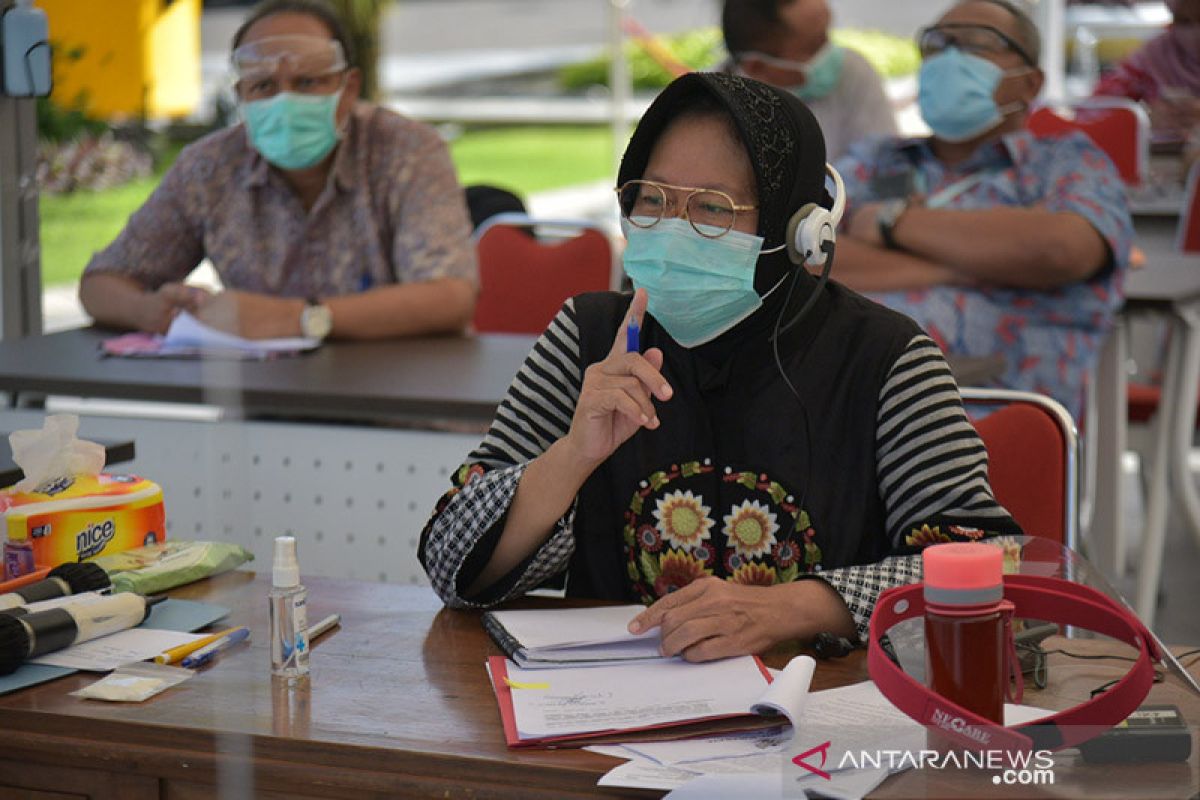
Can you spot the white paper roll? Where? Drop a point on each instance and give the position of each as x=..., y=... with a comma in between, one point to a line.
x=787, y=693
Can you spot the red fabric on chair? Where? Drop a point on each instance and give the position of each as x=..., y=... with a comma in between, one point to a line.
x=1027, y=467
x=524, y=282
x=1114, y=129
x=1189, y=220
x=1143, y=400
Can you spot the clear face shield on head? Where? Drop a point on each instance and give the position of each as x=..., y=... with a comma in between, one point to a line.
x=290, y=88
x=302, y=64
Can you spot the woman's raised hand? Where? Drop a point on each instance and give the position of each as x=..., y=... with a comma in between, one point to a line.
x=618, y=394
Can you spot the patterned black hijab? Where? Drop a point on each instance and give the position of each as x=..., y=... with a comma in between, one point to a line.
x=785, y=146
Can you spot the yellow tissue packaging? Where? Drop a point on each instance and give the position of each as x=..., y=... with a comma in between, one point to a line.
x=79, y=517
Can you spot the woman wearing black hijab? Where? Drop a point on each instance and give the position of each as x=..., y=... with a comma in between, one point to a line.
x=729, y=456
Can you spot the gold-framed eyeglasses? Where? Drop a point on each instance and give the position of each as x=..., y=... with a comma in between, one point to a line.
x=711, y=212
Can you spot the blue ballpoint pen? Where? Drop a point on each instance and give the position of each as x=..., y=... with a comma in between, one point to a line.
x=206, y=654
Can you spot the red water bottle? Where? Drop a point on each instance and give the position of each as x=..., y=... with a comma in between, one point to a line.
x=968, y=628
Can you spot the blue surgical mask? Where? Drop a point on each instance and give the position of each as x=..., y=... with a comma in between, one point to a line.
x=293, y=131
x=955, y=94
x=698, y=288
x=822, y=73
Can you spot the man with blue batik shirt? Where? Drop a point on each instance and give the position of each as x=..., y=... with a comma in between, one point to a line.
x=993, y=240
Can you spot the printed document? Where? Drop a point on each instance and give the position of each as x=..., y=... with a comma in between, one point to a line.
x=117, y=649
x=577, y=700
x=546, y=638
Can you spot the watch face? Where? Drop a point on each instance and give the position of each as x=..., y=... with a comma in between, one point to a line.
x=316, y=321
x=890, y=211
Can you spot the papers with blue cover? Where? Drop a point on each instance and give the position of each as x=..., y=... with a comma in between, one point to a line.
x=171, y=614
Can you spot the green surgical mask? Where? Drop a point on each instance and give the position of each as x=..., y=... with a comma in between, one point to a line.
x=822, y=74
x=293, y=131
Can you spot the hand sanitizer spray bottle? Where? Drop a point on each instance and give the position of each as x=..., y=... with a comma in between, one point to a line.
x=289, y=614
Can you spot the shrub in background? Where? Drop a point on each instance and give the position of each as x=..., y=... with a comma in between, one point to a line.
x=891, y=56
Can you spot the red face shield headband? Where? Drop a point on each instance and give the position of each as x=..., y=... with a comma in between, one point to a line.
x=1049, y=599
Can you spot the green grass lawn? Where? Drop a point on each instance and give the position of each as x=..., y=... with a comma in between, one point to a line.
x=523, y=159
x=78, y=224
x=531, y=159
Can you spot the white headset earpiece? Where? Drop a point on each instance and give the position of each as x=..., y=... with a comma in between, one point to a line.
x=812, y=226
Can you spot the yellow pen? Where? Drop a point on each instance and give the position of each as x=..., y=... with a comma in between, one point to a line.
x=179, y=653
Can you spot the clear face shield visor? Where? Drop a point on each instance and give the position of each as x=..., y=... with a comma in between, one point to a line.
x=272, y=56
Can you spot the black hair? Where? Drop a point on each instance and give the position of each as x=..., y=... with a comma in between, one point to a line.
x=1027, y=34
x=751, y=25
x=485, y=201
x=321, y=11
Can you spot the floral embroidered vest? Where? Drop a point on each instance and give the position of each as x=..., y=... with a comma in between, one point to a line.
x=742, y=480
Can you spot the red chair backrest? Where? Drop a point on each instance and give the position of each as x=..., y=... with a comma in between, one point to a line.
x=1189, y=219
x=1118, y=129
x=1027, y=467
x=524, y=282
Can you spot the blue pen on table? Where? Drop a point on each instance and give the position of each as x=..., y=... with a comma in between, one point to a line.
x=207, y=653
x=633, y=337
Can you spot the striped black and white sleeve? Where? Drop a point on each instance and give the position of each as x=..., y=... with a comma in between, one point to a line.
x=932, y=471
x=536, y=411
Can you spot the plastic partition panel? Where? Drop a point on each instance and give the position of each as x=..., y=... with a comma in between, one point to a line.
x=355, y=498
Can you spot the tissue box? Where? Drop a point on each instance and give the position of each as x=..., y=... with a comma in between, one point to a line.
x=76, y=518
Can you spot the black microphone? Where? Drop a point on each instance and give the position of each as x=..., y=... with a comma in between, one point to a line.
x=61, y=581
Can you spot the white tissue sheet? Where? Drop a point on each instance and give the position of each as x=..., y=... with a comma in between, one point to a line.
x=54, y=451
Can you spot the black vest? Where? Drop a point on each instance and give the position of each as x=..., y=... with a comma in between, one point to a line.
x=736, y=482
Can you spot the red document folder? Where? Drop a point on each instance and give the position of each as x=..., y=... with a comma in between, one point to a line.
x=682, y=729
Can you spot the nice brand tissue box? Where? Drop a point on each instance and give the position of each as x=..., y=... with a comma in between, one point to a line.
x=76, y=518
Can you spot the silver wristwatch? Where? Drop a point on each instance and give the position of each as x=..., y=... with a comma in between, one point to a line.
x=316, y=320
x=886, y=218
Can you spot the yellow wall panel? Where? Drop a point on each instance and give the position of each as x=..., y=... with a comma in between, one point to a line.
x=173, y=48
x=135, y=57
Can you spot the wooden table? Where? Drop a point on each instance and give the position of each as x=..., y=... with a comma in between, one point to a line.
x=398, y=705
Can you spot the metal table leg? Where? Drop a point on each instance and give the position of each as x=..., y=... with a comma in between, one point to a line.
x=1105, y=543
x=1172, y=443
x=1184, y=487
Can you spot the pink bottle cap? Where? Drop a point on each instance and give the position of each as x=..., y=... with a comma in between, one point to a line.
x=963, y=565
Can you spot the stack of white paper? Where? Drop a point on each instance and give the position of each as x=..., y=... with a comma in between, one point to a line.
x=545, y=638
x=553, y=705
x=188, y=335
x=852, y=718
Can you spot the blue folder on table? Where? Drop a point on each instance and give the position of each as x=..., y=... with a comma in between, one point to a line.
x=169, y=615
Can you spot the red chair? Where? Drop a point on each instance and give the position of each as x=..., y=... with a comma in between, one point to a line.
x=1033, y=460
x=1188, y=238
x=1118, y=126
x=523, y=281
